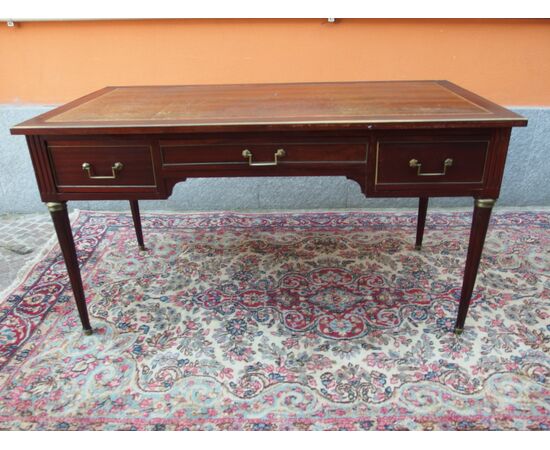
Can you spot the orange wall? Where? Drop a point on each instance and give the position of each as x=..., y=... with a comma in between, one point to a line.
x=507, y=61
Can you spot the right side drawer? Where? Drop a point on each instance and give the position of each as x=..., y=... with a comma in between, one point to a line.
x=403, y=163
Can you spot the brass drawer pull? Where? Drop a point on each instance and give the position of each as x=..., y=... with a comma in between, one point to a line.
x=117, y=167
x=447, y=163
x=278, y=154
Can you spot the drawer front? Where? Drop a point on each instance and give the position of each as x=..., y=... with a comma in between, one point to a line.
x=100, y=165
x=182, y=154
x=434, y=162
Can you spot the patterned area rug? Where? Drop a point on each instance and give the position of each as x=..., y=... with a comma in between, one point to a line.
x=282, y=321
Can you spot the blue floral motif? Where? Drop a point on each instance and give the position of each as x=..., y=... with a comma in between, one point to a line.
x=313, y=321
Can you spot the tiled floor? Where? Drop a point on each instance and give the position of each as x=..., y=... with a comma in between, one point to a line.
x=21, y=237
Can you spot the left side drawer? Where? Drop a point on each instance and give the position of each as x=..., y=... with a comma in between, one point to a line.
x=95, y=164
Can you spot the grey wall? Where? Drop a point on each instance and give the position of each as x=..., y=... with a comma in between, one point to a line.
x=525, y=180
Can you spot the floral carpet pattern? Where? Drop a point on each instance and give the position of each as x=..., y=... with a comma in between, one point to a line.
x=281, y=322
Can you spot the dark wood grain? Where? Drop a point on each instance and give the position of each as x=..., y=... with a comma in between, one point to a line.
x=468, y=162
x=182, y=153
x=62, y=225
x=67, y=160
x=260, y=107
x=421, y=221
x=480, y=224
x=134, y=206
x=365, y=131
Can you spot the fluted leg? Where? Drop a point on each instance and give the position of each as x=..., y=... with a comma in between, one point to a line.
x=62, y=225
x=134, y=206
x=480, y=223
x=421, y=222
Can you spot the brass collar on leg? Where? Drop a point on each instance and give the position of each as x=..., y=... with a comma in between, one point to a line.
x=56, y=206
x=485, y=202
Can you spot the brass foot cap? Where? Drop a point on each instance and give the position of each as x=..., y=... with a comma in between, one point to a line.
x=458, y=331
x=88, y=332
x=142, y=248
x=418, y=247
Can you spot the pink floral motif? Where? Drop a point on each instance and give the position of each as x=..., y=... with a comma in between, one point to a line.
x=282, y=321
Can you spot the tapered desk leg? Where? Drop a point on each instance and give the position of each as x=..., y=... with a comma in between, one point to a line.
x=421, y=221
x=62, y=225
x=134, y=206
x=480, y=223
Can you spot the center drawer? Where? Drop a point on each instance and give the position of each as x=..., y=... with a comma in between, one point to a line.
x=181, y=153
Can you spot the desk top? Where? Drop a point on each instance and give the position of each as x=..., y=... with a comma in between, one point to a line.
x=242, y=107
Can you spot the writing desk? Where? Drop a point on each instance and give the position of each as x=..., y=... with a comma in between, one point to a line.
x=395, y=139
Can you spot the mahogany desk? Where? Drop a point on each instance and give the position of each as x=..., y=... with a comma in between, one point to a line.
x=396, y=139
